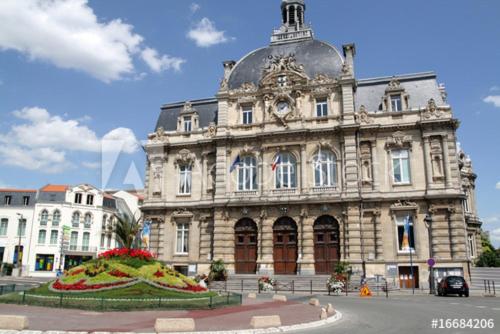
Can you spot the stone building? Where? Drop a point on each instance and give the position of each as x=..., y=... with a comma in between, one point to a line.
x=297, y=164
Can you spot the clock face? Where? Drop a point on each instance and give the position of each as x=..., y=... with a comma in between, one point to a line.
x=283, y=107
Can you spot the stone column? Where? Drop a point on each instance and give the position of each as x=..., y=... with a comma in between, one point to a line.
x=375, y=165
x=307, y=261
x=204, y=172
x=260, y=177
x=446, y=162
x=427, y=160
x=266, y=263
x=351, y=165
x=224, y=239
x=303, y=169
x=221, y=171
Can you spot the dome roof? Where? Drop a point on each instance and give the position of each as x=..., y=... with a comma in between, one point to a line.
x=317, y=58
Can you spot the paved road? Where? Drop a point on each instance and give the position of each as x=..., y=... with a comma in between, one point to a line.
x=408, y=314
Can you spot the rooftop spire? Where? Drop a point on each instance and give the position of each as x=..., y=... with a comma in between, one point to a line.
x=293, y=25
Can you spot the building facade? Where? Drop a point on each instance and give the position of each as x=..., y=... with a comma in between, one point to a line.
x=297, y=164
x=60, y=226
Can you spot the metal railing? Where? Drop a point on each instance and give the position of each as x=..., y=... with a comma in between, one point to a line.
x=489, y=287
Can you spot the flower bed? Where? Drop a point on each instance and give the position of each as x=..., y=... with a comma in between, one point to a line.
x=266, y=283
x=124, y=267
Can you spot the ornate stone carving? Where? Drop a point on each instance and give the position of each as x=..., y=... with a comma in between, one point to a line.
x=394, y=85
x=404, y=205
x=363, y=116
x=432, y=110
x=247, y=149
x=185, y=157
x=282, y=63
x=157, y=180
x=188, y=108
x=399, y=140
x=182, y=213
x=263, y=214
x=322, y=79
x=346, y=69
x=246, y=88
x=212, y=130
x=224, y=84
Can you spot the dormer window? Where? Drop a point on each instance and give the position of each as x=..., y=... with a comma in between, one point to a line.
x=247, y=115
x=188, y=124
x=396, y=103
x=322, y=107
x=90, y=199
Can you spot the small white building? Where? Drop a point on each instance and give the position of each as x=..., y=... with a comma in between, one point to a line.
x=16, y=217
x=60, y=226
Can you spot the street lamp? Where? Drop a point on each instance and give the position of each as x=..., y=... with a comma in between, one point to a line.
x=428, y=223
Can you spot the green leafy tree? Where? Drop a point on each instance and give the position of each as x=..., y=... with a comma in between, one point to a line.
x=126, y=230
x=489, y=257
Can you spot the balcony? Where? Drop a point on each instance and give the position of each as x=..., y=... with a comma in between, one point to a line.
x=324, y=189
x=284, y=192
x=246, y=193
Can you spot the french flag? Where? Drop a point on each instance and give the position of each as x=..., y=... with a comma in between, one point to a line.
x=235, y=164
x=276, y=162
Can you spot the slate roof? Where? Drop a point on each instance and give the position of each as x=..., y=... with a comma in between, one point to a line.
x=17, y=197
x=317, y=57
x=207, y=110
x=421, y=87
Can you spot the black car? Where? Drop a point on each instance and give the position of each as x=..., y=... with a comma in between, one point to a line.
x=453, y=285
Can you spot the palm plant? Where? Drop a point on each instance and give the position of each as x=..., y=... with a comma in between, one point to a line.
x=126, y=230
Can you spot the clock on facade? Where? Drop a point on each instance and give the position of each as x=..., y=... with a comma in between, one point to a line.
x=283, y=107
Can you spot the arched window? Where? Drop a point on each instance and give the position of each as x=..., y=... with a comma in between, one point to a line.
x=285, y=167
x=88, y=220
x=104, y=220
x=247, y=174
x=75, y=219
x=325, y=169
x=56, y=218
x=44, y=218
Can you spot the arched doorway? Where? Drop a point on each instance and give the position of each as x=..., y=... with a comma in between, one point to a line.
x=245, y=248
x=326, y=244
x=285, y=246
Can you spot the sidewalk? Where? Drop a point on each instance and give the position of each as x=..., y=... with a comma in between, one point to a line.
x=231, y=318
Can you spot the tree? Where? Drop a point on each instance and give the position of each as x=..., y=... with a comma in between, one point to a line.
x=489, y=257
x=126, y=230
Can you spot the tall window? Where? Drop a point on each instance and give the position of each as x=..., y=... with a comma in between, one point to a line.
x=85, y=241
x=73, y=241
x=104, y=220
x=90, y=199
x=26, y=200
x=322, y=107
x=54, y=236
x=4, y=225
x=109, y=241
x=78, y=198
x=7, y=200
x=182, y=238
x=88, y=220
x=472, y=245
x=75, y=219
x=42, y=235
x=21, y=228
x=401, y=166
x=103, y=240
x=406, y=237
x=325, y=169
x=185, y=180
x=247, y=174
x=44, y=218
x=188, y=124
x=247, y=115
x=286, y=171
x=396, y=104
x=56, y=218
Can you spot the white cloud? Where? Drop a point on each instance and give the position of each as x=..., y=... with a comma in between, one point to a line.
x=194, y=7
x=43, y=141
x=498, y=185
x=91, y=165
x=68, y=34
x=495, y=235
x=158, y=64
x=493, y=99
x=495, y=88
x=205, y=34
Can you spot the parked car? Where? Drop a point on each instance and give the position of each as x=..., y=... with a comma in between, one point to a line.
x=453, y=285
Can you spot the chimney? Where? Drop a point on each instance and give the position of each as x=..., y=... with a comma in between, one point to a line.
x=349, y=54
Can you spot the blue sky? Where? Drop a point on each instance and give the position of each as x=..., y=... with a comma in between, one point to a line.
x=74, y=74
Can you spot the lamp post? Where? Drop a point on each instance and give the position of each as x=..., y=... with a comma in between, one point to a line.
x=428, y=223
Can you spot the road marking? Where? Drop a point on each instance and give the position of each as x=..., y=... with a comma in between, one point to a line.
x=481, y=306
x=454, y=304
x=496, y=309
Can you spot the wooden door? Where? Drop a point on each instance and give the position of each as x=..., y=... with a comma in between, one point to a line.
x=285, y=247
x=326, y=245
x=406, y=281
x=245, y=247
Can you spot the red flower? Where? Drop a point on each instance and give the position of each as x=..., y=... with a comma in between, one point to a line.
x=118, y=273
x=125, y=252
x=159, y=274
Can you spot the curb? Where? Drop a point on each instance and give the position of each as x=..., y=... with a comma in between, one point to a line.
x=282, y=329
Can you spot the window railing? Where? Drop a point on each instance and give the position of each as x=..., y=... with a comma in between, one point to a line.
x=242, y=193
x=87, y=224
x=82, y=248
x=323, y=189
x=75, y=223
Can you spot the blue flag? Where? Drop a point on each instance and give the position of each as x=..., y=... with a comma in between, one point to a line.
x=235, y=163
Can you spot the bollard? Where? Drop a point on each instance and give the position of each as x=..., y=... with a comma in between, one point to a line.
x=242, y=286
x=386, y=290
x=210, y=302
x=311, y=286
x=494, y=290
x=159, y=302
x=293, y=287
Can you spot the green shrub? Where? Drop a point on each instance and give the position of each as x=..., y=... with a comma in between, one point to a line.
x=217, y=271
